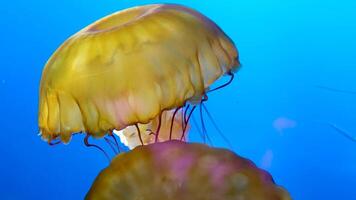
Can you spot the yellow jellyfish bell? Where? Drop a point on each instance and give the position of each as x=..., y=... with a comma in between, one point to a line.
x=129, y=67
x=176, y=170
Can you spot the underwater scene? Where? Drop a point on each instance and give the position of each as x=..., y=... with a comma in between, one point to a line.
x=188, y=100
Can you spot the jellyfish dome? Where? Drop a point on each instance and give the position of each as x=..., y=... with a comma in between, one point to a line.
x=181, y=171
x=129, y=67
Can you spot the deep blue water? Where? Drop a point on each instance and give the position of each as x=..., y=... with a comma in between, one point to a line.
x=290, y=50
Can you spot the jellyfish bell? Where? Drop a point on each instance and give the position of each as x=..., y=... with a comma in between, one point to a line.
x=128, y=67
x=177, y=170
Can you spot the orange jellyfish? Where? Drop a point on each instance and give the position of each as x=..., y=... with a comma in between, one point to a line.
x=181, y=171
x=127, y=68
x=142, y=72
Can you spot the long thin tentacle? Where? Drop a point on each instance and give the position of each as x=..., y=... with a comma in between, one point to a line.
x=217, y=128
x=343, y=132
x=202, y=121
x=116, y=143
x=86, y=142
x=183, y=119
x=159, y=127
x=139, y=134
x=186, y=122
x=186, y=112
x=224, y=85
x=199, y=130
x=172, y=123
x=110, y=143
x=335, y=89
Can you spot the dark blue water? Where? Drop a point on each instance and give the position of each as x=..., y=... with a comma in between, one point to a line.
x=298, y=77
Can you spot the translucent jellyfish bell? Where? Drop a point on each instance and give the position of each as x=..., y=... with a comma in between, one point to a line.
x=127, y=68
x=176, y=170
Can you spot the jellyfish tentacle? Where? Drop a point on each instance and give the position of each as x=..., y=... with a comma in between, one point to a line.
x=151, y=132
x=110, y=143
x=217, y=127
x=185, y=113
x=203, y=127
x=182, y=117
x=86, y=142
x=199, y=130
x=204, y=130
x=51, y=143
x=116, y=143
x=186, y=122
x=205, y=98
x=139, y=134
x=113, y=143
x=335, y=89
x=159, y=127
x=342, y=132
x=172, y=123
x=231, y=74
x=190, y=114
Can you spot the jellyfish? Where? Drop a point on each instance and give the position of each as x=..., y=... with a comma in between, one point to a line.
x=141, y=73
x=178, y=170
x=126, y=69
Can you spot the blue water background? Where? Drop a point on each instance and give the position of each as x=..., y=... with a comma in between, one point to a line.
x=288, y=49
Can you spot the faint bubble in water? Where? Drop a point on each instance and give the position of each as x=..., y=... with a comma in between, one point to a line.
x=267, y=159
x=282, y=123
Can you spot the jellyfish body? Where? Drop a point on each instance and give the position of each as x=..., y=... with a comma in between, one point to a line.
x=177, y=170
x=129, y=67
